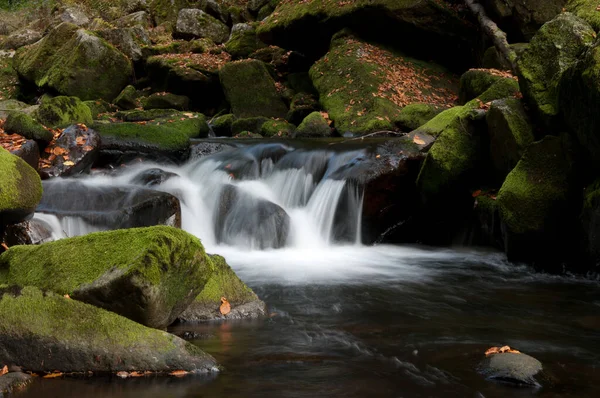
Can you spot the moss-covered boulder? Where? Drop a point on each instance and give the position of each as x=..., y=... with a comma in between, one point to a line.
x=166, y=11
x=510, y=134
x=23, y=124
x=11, y=105
x=250, y=90
x=586, y=10
x=243, y=41
x=127, y=40
x=221, y=125
x=46, y=332
x=20, y=188
x=579, y=91
x=62, y=111
x=363, y=87
x=277, y=128
x=302, y=105
x=149, y=275
x=166, y=101
x=444, y=32
x=99, y=107
x=313, y=126
x=590, y=219
x=250, y=124
x=493, y=60
x=73, y=61
x=413, y=116
x=556, y=46
x=224, y=283
x=195, y=23
x=475, y=82
x=534, y=205
x=522, y=18
x=128, y=98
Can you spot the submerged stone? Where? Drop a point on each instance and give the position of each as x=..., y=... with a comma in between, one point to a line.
x=518, y=369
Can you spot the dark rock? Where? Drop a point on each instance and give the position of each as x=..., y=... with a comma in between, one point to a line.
x=301, y=106
x=32, y=232
x=221, y=126
x=29, y=152
x=23, y=124
x=251, y=91
x=110, y=207
x=517, y=369
x=14, y=381
x=493, y=60
x=251, y=124
x=149, y=275
x=82, y=145
x=243, y=41
x=151, y=177
x=313, y=126
x=128, y=99
x=208, y=148
x=590, y=218
x=166, y=101
x=244, y=220
x=70, y=336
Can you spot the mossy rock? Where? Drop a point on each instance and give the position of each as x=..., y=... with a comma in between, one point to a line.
x=579, y=90
x=128, y=98
x=503, y=88
x=277, y=128
x=493, y=60
x=475, y=82
x=149, y=275
x=221, y=125
x=413, y=116
x=590, y=218
x=166, y=101
x=301, y=106
x=352, y=78
x=247, y=134
x=98, y=107
x=313, y=126
x=556, y=47
x=586, y=10
x=243, y=41
x=146, y=115
x=75, y=62
x=250, y=90
x=23, y=124
x=166, y=10
x=510, y=132
x=251, y=124
x=534, y=204
x=84, y=338
x=62, y=111
x=222, y=283
x=20, y=188
x=195, y=23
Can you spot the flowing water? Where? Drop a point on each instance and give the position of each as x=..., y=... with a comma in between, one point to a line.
x=348, y=319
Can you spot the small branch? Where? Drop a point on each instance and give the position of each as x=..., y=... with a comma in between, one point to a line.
x=383, y=132
x=495, y=33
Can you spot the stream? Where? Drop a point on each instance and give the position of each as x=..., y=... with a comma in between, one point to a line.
x=347, y=319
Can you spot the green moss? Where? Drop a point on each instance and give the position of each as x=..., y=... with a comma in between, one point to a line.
x=20, y=185
x=277, y=128
x=23, y=124
x=222, y=125
x=248, y=134
x=492, y=60
x=536, y=188
x=586, y=10
x=192, y=127
x=415, y=115
x=556, y=46
x=224, y=283
x=128, y=98
x=162, y=136
x=98, y=107
x=243, y=42
x=147, y=115
x=166, y=101
x=313, y=125
x=474, y=82
x=251, y=124
x=250, y=90
x=63, y=111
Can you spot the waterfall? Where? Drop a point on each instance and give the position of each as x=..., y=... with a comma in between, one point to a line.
x=254, y=197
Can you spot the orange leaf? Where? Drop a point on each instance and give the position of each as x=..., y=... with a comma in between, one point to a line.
x=4, y=370
x=477, y=193
x=88, y=148
x=225, y=308
x=53, y=375
x=122, y=374
x=418, y=140
x=69, y=163
x=178, y=373
x=67, y=296
x=136, y=374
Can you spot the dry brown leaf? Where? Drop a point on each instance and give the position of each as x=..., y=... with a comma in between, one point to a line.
x=418, y=140
x=122, y=374
x=178, y=373
x=4, y=370
x=225, y=307
x=500, y=350
x=69, y=163
x=477, y=193
x=67, y=296
x=53, y=375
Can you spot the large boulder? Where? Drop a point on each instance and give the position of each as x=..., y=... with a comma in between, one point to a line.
x=514, y=368
x=250, y=90
x=556, y=46
x=73, y=61
x=443, y=32
x=20, y=188
x=62, y=111
x=475, y=82
x=242, y=219
x=20, y=38
x=110, y=207
x=149, y=275
x=128, y=40
x=363, y=87
x=510, y=134
x=23, y=124
x=580, y=87
x=522, y=18
x=534, y=205
x=225, y=283
x=194, y=23
x=586, y=10
x=46, y=332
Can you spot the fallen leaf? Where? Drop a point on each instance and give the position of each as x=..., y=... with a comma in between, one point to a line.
x=477, y=193
x=69, y=163
x=53, y=375
x=500, y=350
x=67, y=296
x=418, y=140
x=4, y=370
x=178, y=373
x=225, y=308
x=122, y=374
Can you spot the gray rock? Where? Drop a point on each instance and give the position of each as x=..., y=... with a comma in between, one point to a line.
x=519, y=369
x=9, y=106
x=14, y=380
x=21, y=38
x=140, y=18
x=128, y=40
x=197, y=23
x=74, y=15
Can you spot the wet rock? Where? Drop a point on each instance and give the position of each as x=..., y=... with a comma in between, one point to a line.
x=14, y=381
x=70, y=336
x=590, y=217
x=221, y=126
x=224, y=283
x=517, y=369
x=250, y=90
x=149, y=275
x=152, y=177
x=29, y=152
x=110, y=207
x=32, y=232
x=74, y=152
x=20, y=188
x=302, y=105
x=313, y=126
x=247, y=221
x=194, y=23
x=208, y=148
